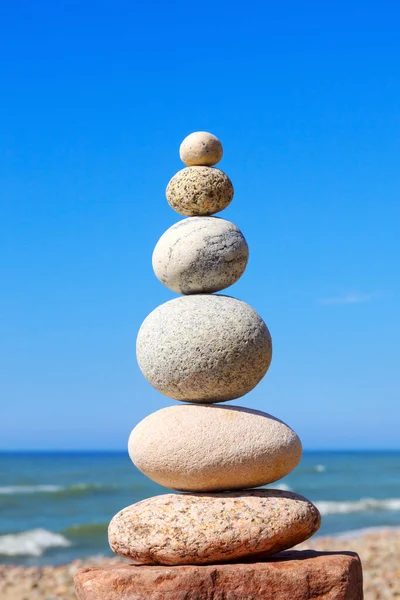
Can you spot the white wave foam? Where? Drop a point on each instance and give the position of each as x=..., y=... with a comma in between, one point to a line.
x=31, y=543
x=282, y=486
x=320, y=468
x=29, y=489
x=278, y=486
x=365, y=504
x=48, y=489
x=88, y=486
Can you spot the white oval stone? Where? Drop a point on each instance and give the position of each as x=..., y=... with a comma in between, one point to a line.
x=199, y=191
x=200, y=255
x=196, y=529
x=203, y=448
x=201, y=148
x=204, y=348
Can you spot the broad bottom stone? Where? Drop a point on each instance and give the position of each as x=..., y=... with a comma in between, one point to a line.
x=292, y=575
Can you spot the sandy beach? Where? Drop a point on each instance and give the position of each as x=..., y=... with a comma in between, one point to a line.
x=379, y=551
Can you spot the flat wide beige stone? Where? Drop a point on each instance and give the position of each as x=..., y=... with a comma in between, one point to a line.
x=292, y=575
x=209, y=447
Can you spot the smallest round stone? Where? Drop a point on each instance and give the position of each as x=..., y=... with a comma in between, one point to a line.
x=201, y=149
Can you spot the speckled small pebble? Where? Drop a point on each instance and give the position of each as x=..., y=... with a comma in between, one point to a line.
x=204, y=348
x=201, y=148
x=204, y=448
x=199, y=191
x=184, y=529
x=200, y=255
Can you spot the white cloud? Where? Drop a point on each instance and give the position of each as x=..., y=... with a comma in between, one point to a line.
x=351, y=298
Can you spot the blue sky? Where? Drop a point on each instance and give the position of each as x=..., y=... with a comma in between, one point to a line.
x=95, y=98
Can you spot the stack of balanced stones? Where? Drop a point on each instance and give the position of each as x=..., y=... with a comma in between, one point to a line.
x=203, y=349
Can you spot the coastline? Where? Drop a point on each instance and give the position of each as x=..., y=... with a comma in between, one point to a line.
x=379, y=550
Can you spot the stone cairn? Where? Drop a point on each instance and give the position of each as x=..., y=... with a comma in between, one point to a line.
x=203, y=349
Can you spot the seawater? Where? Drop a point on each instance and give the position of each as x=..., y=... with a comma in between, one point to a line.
x=55, y=507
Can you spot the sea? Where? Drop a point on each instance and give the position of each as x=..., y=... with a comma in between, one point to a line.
x=55, y=507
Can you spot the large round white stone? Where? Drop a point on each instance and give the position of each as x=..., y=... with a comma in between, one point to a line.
x=204, y=348
x=200, y=255
x=204, y=448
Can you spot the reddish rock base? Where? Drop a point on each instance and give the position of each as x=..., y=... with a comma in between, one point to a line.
x=292, y=575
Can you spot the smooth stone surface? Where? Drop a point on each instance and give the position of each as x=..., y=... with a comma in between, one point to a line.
x=184, y=529
x=203, y=447
x=201, y=148
x=199, y=191
x=204, y=348
x=292, y=575
x=200, y=255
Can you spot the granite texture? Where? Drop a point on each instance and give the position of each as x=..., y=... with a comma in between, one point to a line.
x=203, y=447
x=291, y=575
x=199, y=191
x=204, y=348
x=200, y=255
x=201, y=148
x=184, y=529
